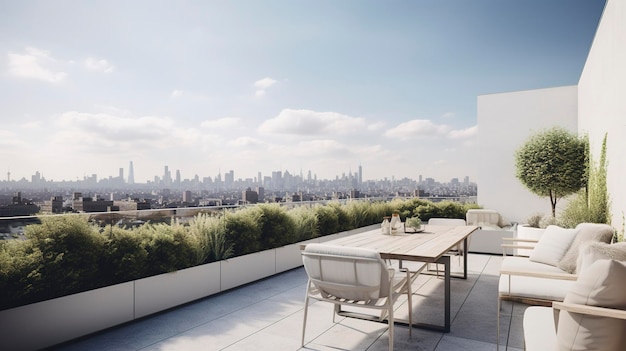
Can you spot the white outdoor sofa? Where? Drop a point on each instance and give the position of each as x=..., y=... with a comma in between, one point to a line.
x=550, y=271
x=493, y=229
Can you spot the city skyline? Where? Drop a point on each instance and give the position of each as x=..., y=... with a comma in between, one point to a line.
x=127, y=176
x=274, y=85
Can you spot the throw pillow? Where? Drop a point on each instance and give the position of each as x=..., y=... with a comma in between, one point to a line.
x=602, y=284
x=593, y=251
x=552, y=245
x=586, y=232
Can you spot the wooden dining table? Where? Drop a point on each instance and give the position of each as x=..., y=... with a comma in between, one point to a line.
x=429, y=246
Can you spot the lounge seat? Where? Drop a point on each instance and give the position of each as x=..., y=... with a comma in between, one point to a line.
x=592, y=316
x=550, y=271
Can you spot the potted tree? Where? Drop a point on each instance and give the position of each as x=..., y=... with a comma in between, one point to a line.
x=553, y=164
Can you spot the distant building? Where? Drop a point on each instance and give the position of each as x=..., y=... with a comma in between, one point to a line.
x=250, y=196
x=187, y=197
x=87, y=204
x=18, y=207
x=54, y=205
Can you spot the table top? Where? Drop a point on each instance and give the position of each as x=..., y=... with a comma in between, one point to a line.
x=426, y=246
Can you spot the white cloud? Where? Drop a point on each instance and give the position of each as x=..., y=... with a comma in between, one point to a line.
x=176, y=93
x=307, y=122
x=247, y=142
x=262, y=85
x=221, y=123
x=109, y=130
x=463, y=133
x=31, y=125
x=34, y=64
x=417, y=128
x=98, y=65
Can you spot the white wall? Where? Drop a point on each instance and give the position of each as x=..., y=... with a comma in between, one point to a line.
x=505, y=121
x=602, y=101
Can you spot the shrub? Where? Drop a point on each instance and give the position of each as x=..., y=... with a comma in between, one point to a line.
x=343, y=219
x=211, y=235
x=19, y=261
x=126, y=257
x=590, y=204
x=71, y=253
x=169, y=248
x=277, y=227
x=327, y=220
x=242, y=230
x=360, y=214
x=305, y=221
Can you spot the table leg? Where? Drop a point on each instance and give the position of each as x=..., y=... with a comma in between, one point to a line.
x=447, y=286
x=465, y=258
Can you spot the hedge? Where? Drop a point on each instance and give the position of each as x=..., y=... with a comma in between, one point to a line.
x=68, y=254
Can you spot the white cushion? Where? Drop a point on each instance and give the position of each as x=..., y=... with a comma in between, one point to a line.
x=593, y=251
x=532, y=287
x=553, y=244
x=601, y=284
x=539, y=329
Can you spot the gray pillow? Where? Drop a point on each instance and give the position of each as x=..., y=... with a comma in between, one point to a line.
x=602, y=284
x=593, y=251
x=586, y=232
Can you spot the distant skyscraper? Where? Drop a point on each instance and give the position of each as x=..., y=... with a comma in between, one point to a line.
x=121, y=175
x=178, y=176
x=131, y=173
x=360, y=175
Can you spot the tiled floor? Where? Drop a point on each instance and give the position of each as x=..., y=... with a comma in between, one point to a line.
x=267, y=315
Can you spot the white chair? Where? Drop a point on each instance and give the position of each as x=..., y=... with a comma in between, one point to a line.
x=358, y=277
x=459, y=250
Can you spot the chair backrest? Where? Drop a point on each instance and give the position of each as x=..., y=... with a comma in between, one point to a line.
x=446, y=221
x=482, y=217
x=346, y=272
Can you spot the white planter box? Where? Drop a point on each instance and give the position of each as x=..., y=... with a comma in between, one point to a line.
x=248, y=268
x=50, y=322
x=488, y=241
x=290, y=256
x=163, y=291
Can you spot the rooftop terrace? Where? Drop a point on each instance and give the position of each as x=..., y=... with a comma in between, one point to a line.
x=267, y=315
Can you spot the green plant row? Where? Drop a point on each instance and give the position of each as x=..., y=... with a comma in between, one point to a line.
x=69, y=254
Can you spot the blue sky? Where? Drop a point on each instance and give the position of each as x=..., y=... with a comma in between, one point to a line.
x=204, y=86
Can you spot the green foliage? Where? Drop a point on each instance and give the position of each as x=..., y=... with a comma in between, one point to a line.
x=277, y=227
x=360, y=214
x=68, y=254
x=327, y=220
x=242, y=230
x=169, y=248
x=553, y=164
x=211, y=235
x=71, y=252
x=305, y=220
x=126, y=256
x=592, y=203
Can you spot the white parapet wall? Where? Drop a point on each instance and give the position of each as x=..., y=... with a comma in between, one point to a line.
x=505, y=122
x=602, y=102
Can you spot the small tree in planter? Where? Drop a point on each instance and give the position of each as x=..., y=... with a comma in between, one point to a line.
x=553, y=164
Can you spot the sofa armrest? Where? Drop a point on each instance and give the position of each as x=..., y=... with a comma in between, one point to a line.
x=537, y=274
x=590, y=310
x=517, y=243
